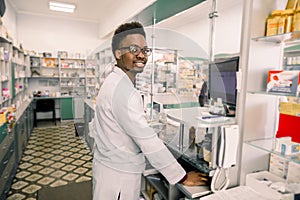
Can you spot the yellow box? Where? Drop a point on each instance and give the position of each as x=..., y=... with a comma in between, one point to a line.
x=290, y=108
x=3, y=113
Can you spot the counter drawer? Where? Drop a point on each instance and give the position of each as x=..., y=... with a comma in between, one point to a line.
x=7, y=175
x=4, y=146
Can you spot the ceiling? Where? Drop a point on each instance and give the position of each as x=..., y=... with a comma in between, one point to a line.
x=98, y=11
x=108, y=13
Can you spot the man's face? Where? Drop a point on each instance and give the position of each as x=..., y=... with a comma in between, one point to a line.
x=129, y=61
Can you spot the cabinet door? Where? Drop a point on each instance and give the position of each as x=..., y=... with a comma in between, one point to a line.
x=66, y=105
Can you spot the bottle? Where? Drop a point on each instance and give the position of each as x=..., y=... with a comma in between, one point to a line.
x=192, y=136
x=203, y=94
x=272, y=22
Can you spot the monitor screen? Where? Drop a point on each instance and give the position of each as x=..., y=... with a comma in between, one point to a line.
x=222, y=80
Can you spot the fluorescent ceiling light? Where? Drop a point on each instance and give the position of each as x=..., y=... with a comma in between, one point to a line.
x=63, y=7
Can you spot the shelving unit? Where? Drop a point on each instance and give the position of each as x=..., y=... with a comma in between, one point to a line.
x=15, y=71
x=70, y=79
x=5, y=59
x=165, y=72
x=260, y=115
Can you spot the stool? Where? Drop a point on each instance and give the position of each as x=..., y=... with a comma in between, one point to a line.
x=45, y=105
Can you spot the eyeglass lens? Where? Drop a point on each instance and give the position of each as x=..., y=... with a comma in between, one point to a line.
x=136, y=50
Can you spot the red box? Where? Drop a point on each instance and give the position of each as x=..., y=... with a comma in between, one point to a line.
x=289, y=125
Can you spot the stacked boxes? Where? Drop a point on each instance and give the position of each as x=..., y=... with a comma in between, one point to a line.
x=278, y=165
x=283, y=81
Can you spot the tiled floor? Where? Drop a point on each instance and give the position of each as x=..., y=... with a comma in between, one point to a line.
x=54, y=156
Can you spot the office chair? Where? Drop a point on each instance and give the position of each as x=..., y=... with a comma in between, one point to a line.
x=45, y=105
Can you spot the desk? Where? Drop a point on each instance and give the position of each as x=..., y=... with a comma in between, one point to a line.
x=63, y=107
x=170, y=100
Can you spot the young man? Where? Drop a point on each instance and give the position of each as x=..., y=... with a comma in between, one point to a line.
x=122, y=136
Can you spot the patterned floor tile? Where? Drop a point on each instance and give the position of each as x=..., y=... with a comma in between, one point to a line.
x=70, y=177
x=59, y=183
x=22, y=174
x=58, y=173
x=46, y=181
x=31, y=189
x=16, y=196
x=19, y=185
x=53, y=157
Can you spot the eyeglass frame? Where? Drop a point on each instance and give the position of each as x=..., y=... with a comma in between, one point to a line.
x=139, y=50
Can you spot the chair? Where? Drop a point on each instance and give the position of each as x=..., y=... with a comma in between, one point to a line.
x=45, y=105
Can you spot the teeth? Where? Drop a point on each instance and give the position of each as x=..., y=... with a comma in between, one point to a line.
x=139, y=64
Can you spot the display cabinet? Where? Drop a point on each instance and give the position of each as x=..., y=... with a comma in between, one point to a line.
x=91, y=77
x=64, y=77
x=72, y=77
x=260, y=110
x=165, y=70
x=44, y=75
x=20, y=72
x=6, y=51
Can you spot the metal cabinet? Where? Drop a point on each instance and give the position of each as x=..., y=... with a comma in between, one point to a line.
x=8, y=161
x=12, y=145
x=66, y=108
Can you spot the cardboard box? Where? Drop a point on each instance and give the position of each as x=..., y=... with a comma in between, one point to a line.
x=289, y=126
x=278, y=165
x=290, y=108
x=282, y=81
x=293, y=175
x=257, y=181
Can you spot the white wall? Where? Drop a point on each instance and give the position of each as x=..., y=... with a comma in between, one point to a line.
x=50, y=34
x=10, y=19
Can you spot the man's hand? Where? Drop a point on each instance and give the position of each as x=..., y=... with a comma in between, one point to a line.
x=195, y=179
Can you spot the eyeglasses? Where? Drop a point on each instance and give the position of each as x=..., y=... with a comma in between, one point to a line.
x=136, y=50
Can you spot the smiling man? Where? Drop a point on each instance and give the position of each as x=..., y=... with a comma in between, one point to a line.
x=122, y=135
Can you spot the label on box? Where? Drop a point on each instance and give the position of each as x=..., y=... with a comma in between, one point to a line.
x=290, y=108
x=281, y=81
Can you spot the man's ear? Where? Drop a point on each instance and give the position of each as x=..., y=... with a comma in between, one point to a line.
x=118, y=54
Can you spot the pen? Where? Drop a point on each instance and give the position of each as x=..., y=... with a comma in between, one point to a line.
x=210, y=117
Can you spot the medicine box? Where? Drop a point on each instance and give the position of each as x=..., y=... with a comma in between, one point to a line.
x=278, y=165
x=289, y=126
x=290, y=108
x=260, y=182
x=282, y=81
x=293, y=175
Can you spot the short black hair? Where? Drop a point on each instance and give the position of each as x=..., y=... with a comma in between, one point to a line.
x=126, y=29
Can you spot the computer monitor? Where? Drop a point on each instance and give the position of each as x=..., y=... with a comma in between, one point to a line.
x=222, y=82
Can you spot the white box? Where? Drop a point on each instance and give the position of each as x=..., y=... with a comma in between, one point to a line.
x=293, y=175
x=257, y=182
x=278, y=165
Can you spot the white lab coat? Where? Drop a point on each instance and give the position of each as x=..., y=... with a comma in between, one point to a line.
x=123, y=139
